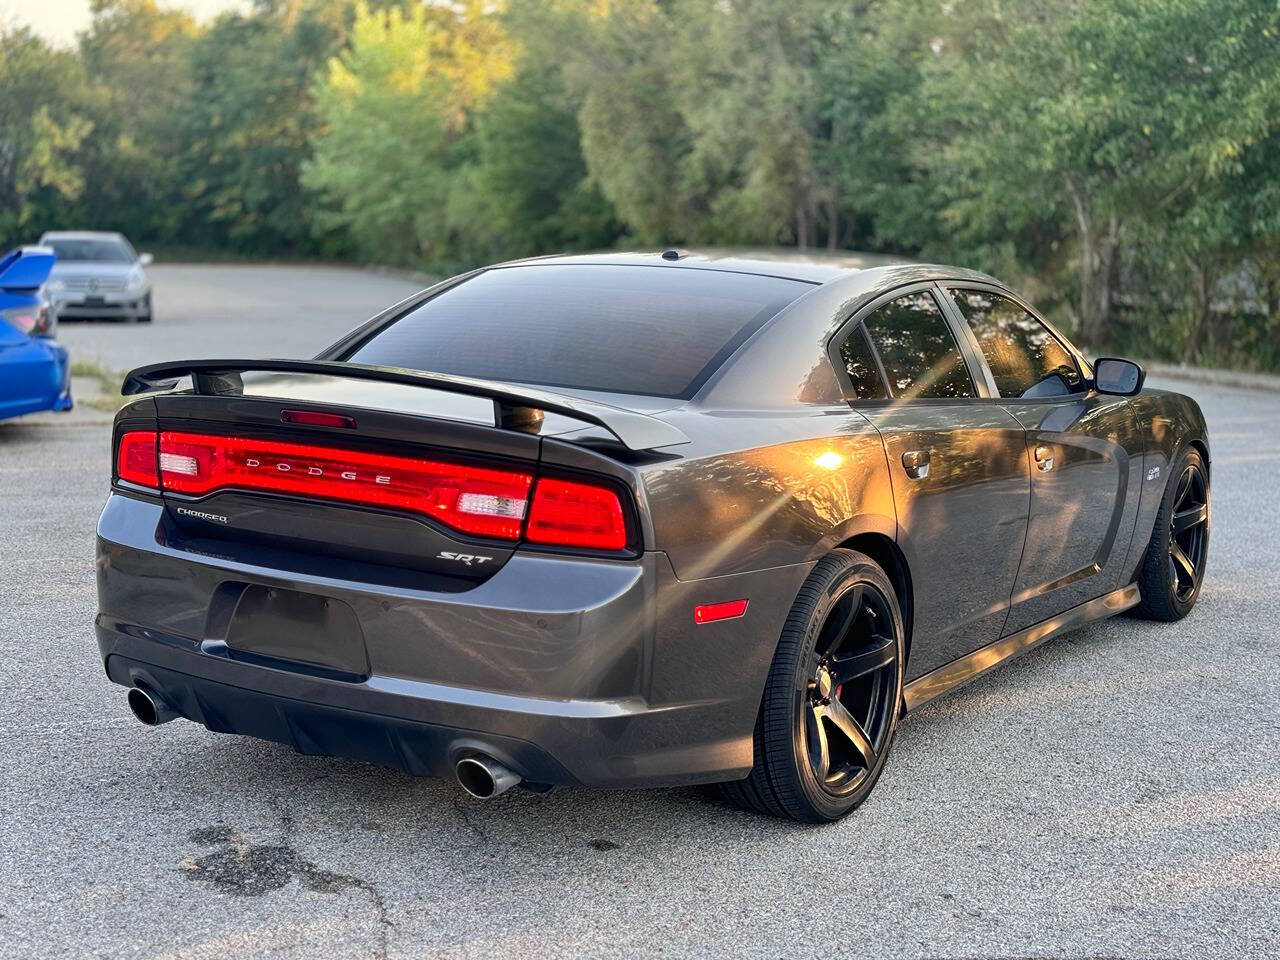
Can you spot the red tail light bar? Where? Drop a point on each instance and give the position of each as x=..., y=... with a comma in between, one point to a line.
x=482, y=501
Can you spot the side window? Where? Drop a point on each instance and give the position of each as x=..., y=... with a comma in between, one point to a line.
x=919, y=354
x=858, y=362
x=1025, y=358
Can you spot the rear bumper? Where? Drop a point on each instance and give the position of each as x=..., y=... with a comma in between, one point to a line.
x=566, y=670
x=34, y=376
x=378, y=727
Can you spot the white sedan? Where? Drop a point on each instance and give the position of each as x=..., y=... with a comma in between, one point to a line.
x=97, y=276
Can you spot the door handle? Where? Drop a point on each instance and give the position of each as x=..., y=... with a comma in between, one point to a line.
x=916, y=463
x=1044, y=457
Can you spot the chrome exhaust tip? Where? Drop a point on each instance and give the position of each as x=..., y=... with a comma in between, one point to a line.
x=484, y=778
x=149, y=708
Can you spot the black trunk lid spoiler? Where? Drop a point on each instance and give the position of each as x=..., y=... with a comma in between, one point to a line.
x=515, y=407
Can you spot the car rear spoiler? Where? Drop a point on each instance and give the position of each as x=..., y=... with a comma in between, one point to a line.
x=26, y=268
x=515, y=407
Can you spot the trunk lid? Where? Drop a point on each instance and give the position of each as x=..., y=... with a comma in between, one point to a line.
x=331, y=455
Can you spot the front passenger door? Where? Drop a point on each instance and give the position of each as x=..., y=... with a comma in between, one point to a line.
x=958, y=466
x=1085, y=455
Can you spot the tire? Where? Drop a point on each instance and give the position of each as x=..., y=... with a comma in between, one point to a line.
x=145, y=317
x=843, y=641
x=1170, y=583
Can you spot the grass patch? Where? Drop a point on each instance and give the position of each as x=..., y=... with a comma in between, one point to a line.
x=108, y=398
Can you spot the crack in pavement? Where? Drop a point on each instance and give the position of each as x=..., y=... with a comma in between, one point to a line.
x=241, y=868
x=465, y=816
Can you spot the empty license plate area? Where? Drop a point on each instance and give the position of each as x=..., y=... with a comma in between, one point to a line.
x=292, y=627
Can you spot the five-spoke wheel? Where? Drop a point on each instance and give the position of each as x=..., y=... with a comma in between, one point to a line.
x=1188, y=531
x=833, y=697
x=1173, y=567
x=848, y=706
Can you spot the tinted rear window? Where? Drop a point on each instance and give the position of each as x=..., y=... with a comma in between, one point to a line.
x=660, y=331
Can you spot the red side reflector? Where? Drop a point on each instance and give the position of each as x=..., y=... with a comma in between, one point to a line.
x=569, y=514
x=478, y=500
x=136, y=458
x=316, y=418
x=729, y=610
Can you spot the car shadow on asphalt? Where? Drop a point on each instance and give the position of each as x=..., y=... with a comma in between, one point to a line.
x=259, y=808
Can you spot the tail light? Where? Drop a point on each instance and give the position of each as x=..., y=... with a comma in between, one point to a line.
x=482, y=501
x=136, y=459
x=570, y=514
x=476, y=500
x=35, y=321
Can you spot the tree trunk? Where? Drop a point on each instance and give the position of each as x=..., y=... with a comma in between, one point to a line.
x=833, y=217
x=1108, y=273
x=1204, y=292
x=1084, y=231
x=1099, y=268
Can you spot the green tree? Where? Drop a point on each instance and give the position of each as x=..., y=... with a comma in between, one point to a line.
x=247, y=128
x=397, y=107
x=133, y=46
x=753, y=82
x=634, y=138
x=45, y=111
x=1088, y=127
x=527, y=189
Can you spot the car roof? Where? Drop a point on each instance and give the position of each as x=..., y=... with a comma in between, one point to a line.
x=81, y=235
x=811, y=266
x=784, y=352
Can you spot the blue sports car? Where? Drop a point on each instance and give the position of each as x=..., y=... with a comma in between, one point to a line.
x=35, y=373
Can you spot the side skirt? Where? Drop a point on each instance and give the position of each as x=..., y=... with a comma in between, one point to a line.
x=972, y=665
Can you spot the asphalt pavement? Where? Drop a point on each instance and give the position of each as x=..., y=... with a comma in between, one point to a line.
x=239, y=311
x=1114, y=793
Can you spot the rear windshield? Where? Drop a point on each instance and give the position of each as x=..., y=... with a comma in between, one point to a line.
x=660, y=331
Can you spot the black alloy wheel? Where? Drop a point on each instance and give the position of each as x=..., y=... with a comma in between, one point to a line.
x=848, y=698
x=1188, y=533
x=1172, y=571
x=833, y=697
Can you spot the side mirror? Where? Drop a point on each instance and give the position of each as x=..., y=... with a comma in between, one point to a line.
x=145, y=259
x=1121, y=377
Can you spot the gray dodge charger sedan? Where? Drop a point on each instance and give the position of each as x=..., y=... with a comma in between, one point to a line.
x=628, y=520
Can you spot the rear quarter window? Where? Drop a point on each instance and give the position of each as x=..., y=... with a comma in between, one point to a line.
x=660, y=331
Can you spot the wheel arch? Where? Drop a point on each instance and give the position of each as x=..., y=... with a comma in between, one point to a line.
x=888, y=554
x=1201, y=447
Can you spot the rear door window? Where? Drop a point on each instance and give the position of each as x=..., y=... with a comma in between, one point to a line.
x=919, y=353
x=660, y=331
x=1026, y=359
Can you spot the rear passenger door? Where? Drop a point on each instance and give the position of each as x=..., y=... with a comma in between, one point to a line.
x=958, y=466
x=1085, y=451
